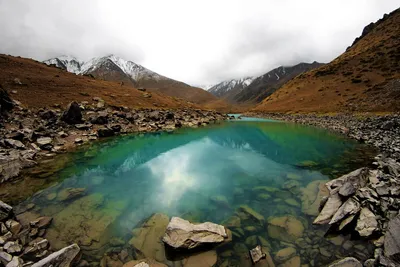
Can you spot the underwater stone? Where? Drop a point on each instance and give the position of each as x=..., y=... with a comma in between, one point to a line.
x=252, y=214
x=205, y=259
x=346, y=262
x=293, y=262
x=285, y=254
x=181, y=233
x=286, y=228
x=312, y=195
x=70, y=193
x=62, y=258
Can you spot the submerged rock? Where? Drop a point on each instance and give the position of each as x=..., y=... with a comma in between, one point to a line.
x=181, y=233
x=70, y=193
x=312, y=195
x=346, y=262
x=285, y=254
x=62, y=258
x=252, y=214
x=144, y=263
x=286, y=228
x=6, y=211
x=147, y=239
x=205, y=259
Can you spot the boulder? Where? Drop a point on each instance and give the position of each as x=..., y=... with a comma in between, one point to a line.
x=14, y=143
x=73, y=114
x=62, y=258
x=392, y=240
x=105, y=132
x=45, y=143
x=347, y=184
x=285, y=228
x=70, y=193
x=6, y=104
x=181, y=234
x=101, y=118
x=15, y=262
x=346, y=262
x=10, y=166
x=366, y=223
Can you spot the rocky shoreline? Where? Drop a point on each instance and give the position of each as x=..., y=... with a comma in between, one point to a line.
x=29, y=137
x=365, y=202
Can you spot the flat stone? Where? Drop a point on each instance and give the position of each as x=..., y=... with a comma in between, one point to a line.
x=146, y=240
x=13, y=226
x=5, y=257
x=70, y=193
x=252, y=214
x=12, y=247
x=14, y=143
x=350, y=207
x=346, y=262
x=285, y=228
x=181, y=233
x=42, y=141
x=312, y=195
x=293, y=262
x=285, y=254
x=366, y=223
x=41, y=222
x=330, y=208
x=62, y=258
x=346, y=221
x=15, y=262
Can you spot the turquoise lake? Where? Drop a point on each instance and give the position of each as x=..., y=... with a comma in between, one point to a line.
x=211, y=174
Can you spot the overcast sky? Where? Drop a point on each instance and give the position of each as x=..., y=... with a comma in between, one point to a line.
x=198, y=42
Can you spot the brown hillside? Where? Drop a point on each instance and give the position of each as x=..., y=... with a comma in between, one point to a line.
x=364, y=78
x=38, y=85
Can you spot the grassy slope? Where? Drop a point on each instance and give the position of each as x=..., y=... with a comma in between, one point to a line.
x=43, y=86
x=364, y=78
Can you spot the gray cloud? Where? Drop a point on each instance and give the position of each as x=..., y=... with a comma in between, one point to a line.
x=198, y=42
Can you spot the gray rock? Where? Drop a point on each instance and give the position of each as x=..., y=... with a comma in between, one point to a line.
x=44, y=142
x=62, y=258
x=181, y=233
x=73, y=114
x=256, y=254
x=392, y=240
x=348, y=183
x=330, y=208
x=10, y=166
x=12, y=247
x=6, y=211
x=346, y=262
x=14, y=143
x=5, y=257
x=15, y=262
x=366, y=223
x=105, y=132
x=350, y=207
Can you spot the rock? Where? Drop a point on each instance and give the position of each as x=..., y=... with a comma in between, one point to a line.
x=62, y=134
x=78, y=141
x=346, y=222
x=147, y=239
x=14, y=143
x=70, y=193
x=252, y=214
x=392, y=240
x=45, y=143
x=312, y=195
x=181, y=233
x=348, y=183
x=366, y=223
x=41, y=222
x=292, y=202
x=346, y=262
x=101, y=118
x=350, y=207
x=83, y=127
x=286, y=228
x=220, y=201
x=62, y=258
x=13, y=226
x=105, y=132
x=293, y=262
x=73, y=114
x=12, y=247
x=205, y=259
x=6, y=211
x=15, y=262
x=144, y=263
x=256, y=254
x=6, y=103
x=10, y=166
x=285, y=254
x=325, y=252
x=329, y=209
x=5, y=257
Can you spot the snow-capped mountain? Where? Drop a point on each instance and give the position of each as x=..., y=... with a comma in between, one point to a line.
x=69, y=63
x=232, y=87
x=109, y=67
x=264, y=85
x=204, y=86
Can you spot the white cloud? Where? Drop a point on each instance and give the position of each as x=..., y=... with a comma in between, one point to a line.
x=197, y=42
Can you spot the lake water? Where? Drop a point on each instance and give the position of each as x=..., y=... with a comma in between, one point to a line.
x=219, y=173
